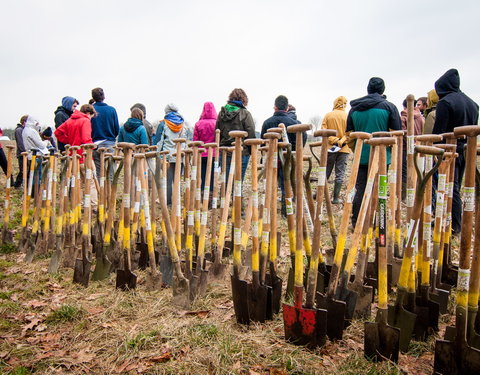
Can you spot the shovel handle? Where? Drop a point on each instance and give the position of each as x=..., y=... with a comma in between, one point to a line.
x=467, y=131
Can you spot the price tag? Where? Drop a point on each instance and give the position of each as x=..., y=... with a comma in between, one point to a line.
x=463, y=280
x=136, y=207
x=255, y=229
x=102, y=182
x=126, y=200
x=289, y=206
x=351, y=195
x=204, y=218
x=237, y=236
x=410, y=197
x=255, y=199
x=238, y=189
x=322, y=176
x=87, y=200
x=206, y=193
x=193, y=175
x=190, y=218
x=88, y=174
x=442, y=180
x=214, y=202
x=198, y=194
x=410, y=144
x=468, y=199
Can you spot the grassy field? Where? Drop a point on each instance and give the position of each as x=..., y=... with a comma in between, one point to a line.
x=48, y=325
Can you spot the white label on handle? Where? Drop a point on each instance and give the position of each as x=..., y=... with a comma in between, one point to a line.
x=351, y=195
x=206, y=193
x=410, y=144
x=190, y=218
x=136, y=207
x=238, y=189
x=255, y=229
x=410, y=197
x=255, y=199
x=6, y=205
x=126, y=200
x=289, y=206
x=463, y=280
x=88, y=174
x=44, y=195
x=222, y=202
x=102, y=182
x=87, y=201
x=214, y=202
x=265, y=236
x=442, y=180
x=322, y=176
x=65, y=191
x=266, y=216
x=193, y=175
x=469, y=199
x=237, y=236
x=204, y=218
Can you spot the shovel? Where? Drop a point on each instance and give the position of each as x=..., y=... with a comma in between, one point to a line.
x=381, y=340
x=257, y=294
x=126, y=279
x=81, y=272
x=154, y=277
x=239, y=286
x=60, y=219
x=344, y=293
x=336, y=308
x=7, y=235
x=202, y=271
x=398, y=316
x=27, y=186
x=301, y=323
x=103, y=265
x=439, y=291
x=457, y=356
x=42, y=244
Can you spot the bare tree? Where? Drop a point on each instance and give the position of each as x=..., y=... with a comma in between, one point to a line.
x=316, y=122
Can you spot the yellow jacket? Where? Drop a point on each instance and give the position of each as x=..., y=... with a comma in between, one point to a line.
x=337, y=119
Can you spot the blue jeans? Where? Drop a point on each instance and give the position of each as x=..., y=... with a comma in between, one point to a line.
x=245, y=160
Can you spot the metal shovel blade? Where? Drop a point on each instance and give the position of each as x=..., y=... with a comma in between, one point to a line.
x=335, y=315
x=452, y=358
x=257, y=298
x=102, y=265
x=305, y=326
x=396, y=265
x=218, y=270
x=363, y=306
x=126, y=280
x=400, y=318
x=350, y=298
x=290, y=284
x=181, y=292
x=275, y=283
x=381, y=342
x=142, y=248
x=166, y=269
x=239, y=296
x=81, y=272
x=56, y=256
x=426, y=322
x=441, y=296
x=153, y=280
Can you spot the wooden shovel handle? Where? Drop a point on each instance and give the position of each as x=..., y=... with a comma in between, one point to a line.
x=467, y=130
x=381, y=134
x=271, y=135
x=386, y=141
x=298, y=128
x=360, y=135
x=429, y=150
x=429, y=138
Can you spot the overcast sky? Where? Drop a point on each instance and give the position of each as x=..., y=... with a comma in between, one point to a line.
x=189, y=52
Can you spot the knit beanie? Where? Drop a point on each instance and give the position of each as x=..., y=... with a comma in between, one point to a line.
x=376, y=85
x=171, y=108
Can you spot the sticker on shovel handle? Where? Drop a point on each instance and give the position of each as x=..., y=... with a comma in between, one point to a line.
x=468, y=199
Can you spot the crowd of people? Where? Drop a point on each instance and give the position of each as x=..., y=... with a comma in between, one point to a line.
x=444, y=108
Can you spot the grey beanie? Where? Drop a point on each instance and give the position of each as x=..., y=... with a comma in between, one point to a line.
x=171, y=108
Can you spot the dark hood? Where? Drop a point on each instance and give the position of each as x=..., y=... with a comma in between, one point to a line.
x=448, y=83
x=227, y=113
x=366, y=102
x=132, y=124
x=63, y=110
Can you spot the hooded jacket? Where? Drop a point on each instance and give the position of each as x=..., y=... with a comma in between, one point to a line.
x=418, y=119
x=63, y=112
x=133, y=131
x=234, y=116
x=32, y=139
x=19, y=139
x=337, y=120
x=76, y=131
x=431, y=112
x=205, y=127
x=454, y=107
x=170, y=128
x=372, y=113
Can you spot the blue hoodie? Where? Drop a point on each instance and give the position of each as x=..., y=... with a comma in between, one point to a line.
x=105, y=124
x=133, y=131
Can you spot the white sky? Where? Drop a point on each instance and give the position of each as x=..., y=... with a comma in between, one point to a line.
x=189, y=52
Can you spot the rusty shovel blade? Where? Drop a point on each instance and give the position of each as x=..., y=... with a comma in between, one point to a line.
x=240, y=302
x=381, y=342
x=335, y=315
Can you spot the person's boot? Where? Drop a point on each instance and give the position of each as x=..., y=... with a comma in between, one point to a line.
x=336, y=192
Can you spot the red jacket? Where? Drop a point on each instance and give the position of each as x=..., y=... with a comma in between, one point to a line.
x=76, y=131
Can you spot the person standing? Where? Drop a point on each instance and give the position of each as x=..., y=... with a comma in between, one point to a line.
x=105, y=126
x=338, y=146
x=148, y=126
x=20, y=149
x=431, y=111
x=63, y=113
x=370, y=113
x=235, y=116
x=204, y=131
x=421, y=105
x=454, y=109
x=170, y=128
x=133, y=130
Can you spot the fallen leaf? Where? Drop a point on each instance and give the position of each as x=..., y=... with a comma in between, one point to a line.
x=107, y=325
x=3, y=355
x=94, y=296
x=95, y=310
x=41, y=327
x=35, y=303
x=165, y=357
x=33, y=323
x=199, y=313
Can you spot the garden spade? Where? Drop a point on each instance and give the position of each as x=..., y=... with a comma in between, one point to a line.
x=398, y=316
x=457, y=356
x=239, y=286
x=126, y=279
x=81, y=272
x=7, y=235
x=301, y=323
x=103, y=264
x=26, y=197
x=381, y=340
x=257, y=293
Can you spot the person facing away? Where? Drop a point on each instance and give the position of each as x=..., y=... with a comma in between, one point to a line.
x=204, y=131
x=31, y=137
x=431, y=111
x=105, y=126
x=77, y=130
x=370, y=113
x=235, y=116
x=20, y=149
x=454, y=109
x=148, y=126
x=282, y=116
x=421, y=105
x=338, y=145
x=133, y=130
x=63, y=113
x=170, y=128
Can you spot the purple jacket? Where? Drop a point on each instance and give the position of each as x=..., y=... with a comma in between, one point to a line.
x=205, y=128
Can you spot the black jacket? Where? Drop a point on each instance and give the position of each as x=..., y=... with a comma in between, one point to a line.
x=282, y=117
x=454, y=107
x=19, y=139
